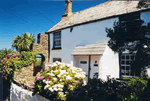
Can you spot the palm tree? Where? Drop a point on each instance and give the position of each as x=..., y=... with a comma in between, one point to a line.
x=23, y=42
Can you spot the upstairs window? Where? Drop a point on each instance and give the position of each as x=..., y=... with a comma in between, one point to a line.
x=57, y=40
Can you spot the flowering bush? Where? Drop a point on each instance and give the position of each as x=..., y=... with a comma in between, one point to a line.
x=9, y=66
x=59, y=80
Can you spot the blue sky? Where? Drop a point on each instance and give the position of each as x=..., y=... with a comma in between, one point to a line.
x=33, y=16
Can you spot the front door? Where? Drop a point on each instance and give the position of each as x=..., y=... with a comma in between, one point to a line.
x=83, y=63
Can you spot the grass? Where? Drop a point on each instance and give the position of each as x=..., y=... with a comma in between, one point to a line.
x=38, y=63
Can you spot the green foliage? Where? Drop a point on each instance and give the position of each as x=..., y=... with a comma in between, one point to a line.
x=23, y=42
x=14, y=62
x=134, y=38
x=38, y=62
x=27, y=58
x=4, y=52
x=132, y=89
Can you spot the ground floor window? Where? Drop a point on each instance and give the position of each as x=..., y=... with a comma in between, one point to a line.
x=126, y=65
x=56, y=59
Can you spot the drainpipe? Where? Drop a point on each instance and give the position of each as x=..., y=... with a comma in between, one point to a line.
x=89, y=68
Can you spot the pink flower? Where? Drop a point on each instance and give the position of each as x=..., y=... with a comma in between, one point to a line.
x=3, y=73
x=45, y=69
x=37, y=75
x=8, y=56
x=5, y=77
x=41, y=78
x=19, y=55
x=14, y=55
x=1, y=61
x=49, y=66
x=47, y=79
x=5, y=67
x=41, y=71
x=2, y=76
x=31, y=84
x=37, y=78
x=4, y=59
x=10, y=69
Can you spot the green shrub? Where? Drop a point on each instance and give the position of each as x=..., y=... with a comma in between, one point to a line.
x=4, y=52
x=38, y=62
x=132, y=89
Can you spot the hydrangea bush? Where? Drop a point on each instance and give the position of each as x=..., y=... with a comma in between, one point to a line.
x=59, y=80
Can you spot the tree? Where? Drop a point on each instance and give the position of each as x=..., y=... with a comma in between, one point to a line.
x=133, y=36
x=143, y=3
x=23, y=42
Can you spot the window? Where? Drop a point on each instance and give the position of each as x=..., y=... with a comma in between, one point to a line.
x=83, y=62
x=125, y=64
x=56, y=59
x=57, y=40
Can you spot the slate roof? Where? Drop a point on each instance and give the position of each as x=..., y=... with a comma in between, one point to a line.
x=99, y=12
x=96, y=49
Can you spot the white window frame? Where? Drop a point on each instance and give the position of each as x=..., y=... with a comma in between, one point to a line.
x=125, y=65
x=57, y=40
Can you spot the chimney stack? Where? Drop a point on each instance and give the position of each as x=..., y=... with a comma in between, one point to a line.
x=68, y=10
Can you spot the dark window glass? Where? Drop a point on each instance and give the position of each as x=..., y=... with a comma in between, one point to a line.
x=127, y=72
x=127, y=67
x=123, y=67
x=127, y=62
x=123, y=57
x=132, y=57
x=57, y=40
x=122, y=62
x=56, y=59
x=83, y=62
x=127, y=57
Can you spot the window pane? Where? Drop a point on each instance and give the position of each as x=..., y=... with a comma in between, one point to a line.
x=56, y=59
x=83, y=62
x=122, y=62
x=127, y=62
x=57, y=40
x=132, y=57
x=123, y=57
x=127, y=57
x=123, y=67
x=127, y=73
x=127, y=67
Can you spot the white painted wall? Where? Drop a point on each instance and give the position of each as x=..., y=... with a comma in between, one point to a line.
x=19, y=94
x=92, y=33
x=109, y=64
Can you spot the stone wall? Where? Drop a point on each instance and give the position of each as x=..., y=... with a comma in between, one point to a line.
x=42, y=45
x=19, y=94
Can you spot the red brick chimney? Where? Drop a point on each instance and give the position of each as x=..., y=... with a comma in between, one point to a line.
x=68, y=10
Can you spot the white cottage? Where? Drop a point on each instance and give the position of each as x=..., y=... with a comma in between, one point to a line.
x=80, y=38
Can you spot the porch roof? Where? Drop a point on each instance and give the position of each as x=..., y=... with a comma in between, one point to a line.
x=96, y=49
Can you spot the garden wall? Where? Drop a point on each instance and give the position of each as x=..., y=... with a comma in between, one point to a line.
x=19, y=94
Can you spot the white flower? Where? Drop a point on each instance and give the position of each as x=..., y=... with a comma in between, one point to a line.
x=68, y=77
x=46, y=86
x=44, y=80
x=48, y=82
x=54, y=79
x=51, y=74
x=51, y=89
x=84, y=83
x=55, y=89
